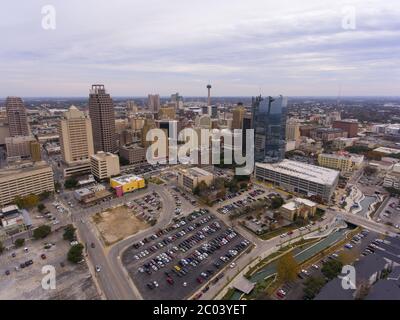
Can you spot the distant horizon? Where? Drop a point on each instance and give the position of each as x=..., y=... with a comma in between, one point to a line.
x=212, y=97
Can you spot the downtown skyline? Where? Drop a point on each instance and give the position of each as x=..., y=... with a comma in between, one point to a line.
x=240, y=47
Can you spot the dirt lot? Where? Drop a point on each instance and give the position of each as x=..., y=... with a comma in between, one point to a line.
x=73, y=282
x=117, y=224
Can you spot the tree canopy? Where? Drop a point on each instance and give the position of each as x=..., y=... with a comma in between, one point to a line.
x=332, y=268
x=41, y=232
x=75, y=253
x=287, y=267
x=27, y=202
x=70, y=183
x=69, y=233
x=312, y=286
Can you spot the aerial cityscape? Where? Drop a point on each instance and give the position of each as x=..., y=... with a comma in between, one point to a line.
x=158, y=169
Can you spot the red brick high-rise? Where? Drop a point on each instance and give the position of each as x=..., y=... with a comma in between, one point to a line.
x=351, y=127
x=101, y=111
x=17, y=117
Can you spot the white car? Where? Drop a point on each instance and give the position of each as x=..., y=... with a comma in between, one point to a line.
x=232, y=265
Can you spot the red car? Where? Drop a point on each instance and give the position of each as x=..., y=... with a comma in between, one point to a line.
x=290, y=232
x=198, y=296
x=43, y=256
x=281, y=293
x=170, y=280
x=200, y=280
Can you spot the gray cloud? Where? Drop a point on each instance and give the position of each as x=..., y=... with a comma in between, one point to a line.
x=136, y=47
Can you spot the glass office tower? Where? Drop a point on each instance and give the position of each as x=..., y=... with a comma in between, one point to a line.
x=269, y=123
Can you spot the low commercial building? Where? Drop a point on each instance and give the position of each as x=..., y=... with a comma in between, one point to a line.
x=92, y=194
x=328, y=134
x=392, y=180
x=11, y=217
x=135, y=154
x=77, y=168
x=340, y=161
x=350, y=126
x=104, y=165
x=190, y=178
x=25, y=180
x=19, y=146
x=341, y=143
x=298, y=207
x=386, y=150
x=299, y=177
x=127, y=183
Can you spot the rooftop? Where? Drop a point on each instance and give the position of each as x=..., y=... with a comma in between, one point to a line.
x=292, y=205
x=198, y=172
x=126, y=178
x=303, y=171
x=101, y=155
x=387, y=150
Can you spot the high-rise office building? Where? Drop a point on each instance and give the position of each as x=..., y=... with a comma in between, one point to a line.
x=292, y=130
x=269, y=123
x=166, y=113
x=153, y=102
x=17, y=117
x=104, y=165
x=23, y=181
x=238, y=114
x=177, y=100
x=19, y=146
x=247, y=124
x=35, y=151
x=76, y=140
x=148, y=125
x=101, y=110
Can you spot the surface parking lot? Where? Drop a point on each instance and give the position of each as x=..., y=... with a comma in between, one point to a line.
x=391, y=213
x=178, y=260
x=147, y=206
x=359, y=246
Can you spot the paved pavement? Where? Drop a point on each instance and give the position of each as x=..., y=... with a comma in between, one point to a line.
x=113, y=279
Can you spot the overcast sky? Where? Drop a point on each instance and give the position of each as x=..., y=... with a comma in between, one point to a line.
x=243, y=48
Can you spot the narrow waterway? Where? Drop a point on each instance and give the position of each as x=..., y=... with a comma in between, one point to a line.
x=365, y=203
x=299, y=255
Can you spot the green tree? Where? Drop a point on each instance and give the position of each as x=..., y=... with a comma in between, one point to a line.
x=358, y=149
x=41, y=232
x=332, y=268
x=75, y=253
x=70, y=183
x=276, y=202
x=41, y=206
x=1, y=247
x=200, y=189
x=19, y=242
x=69, y=233
x=312, y=286
x=44, y=195
x=287, y=267
x=27, y=202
